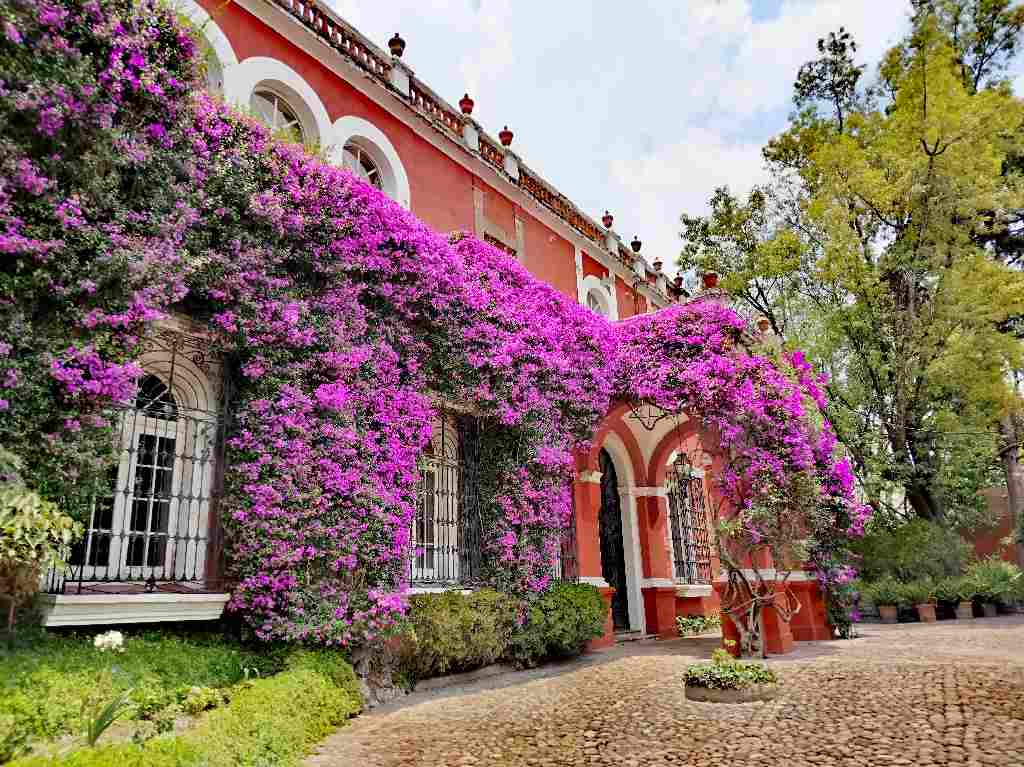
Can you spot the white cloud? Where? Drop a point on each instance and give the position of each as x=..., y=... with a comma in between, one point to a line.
x=642, y=108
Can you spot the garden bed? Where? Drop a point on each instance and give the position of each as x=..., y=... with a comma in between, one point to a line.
x=189, y=699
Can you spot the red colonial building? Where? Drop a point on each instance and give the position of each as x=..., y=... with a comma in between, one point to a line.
x=642, y=507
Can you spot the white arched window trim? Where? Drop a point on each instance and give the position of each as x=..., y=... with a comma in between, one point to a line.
x=371, y=139
x=260, y=72
x=213, y=34
x=593, y=283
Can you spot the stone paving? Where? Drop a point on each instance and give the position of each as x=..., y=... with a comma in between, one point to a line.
x=949, y=693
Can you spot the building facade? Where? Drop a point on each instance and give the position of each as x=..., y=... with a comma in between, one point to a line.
x=642, y=506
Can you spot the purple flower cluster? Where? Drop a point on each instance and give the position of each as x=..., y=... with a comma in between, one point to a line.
x=345, y=318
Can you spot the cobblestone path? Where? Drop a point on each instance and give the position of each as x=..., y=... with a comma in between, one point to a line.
x=918, y=694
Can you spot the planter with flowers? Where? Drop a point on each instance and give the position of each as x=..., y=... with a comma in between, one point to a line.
x=727, y=680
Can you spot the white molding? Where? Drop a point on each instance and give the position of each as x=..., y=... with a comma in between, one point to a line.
x=595, y=580
x=594, y=283
x=591, y=476
x=650, y=492
x=240, y=81
x=436, y=590
x=281, y=22
x=657, y=583
x=693, y=589
x=370, y=138
x=107, y=609
x=209, y=29
x=771, y=574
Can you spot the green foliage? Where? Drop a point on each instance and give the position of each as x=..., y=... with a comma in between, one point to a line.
x=34, y=535
x=49, y=681
x=691, y=625
x=454, y=632
x=953, y=590
x=918, y=592
x=99, y=719
x=269, y=722
x=559, y=623
x=726, y=673
x=914, y=549
x=995, y=581
x=885, y=591
x=887, y=245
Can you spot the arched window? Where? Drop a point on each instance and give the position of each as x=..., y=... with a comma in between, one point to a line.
x=597, y=303
x=274, y=112
x=358, y=161
x=435, y=533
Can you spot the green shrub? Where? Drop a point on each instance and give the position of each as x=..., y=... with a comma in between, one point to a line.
x=995, y=580
x=918, y=592
x=48, y=679
x=885, y=591
x=915, y=549
x=691, y=625
x=558, y=624
x=953, y=590
x=270, y=722
x=726, y=673
x=452, y=632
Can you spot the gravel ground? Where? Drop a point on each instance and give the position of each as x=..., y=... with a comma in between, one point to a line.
x=913, y=694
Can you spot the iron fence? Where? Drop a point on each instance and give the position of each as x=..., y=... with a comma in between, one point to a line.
x=688, y=528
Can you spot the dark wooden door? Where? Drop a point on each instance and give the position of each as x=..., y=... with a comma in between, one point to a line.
x=613, y=554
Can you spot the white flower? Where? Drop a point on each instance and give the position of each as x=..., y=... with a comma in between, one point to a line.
x=111, y=640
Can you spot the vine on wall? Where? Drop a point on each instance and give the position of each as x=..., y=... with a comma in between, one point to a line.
x=123, y=194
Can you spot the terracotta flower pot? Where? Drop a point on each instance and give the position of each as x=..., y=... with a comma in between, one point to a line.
x=926, y=612
x=466, y=105
x=965, y=611
x=607, y=220
x=889, y=613
x=763, y=324
x=989, y=609
x=505, y=137
x=710, y=280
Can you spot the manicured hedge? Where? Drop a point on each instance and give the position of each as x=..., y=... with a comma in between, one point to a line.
x=271, y=721
x=559, y=624
x=452, y=632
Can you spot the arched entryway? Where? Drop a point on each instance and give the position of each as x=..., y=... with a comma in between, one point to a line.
x=613, y=550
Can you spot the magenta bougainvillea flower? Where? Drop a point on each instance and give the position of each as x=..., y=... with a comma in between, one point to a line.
x=125, y=194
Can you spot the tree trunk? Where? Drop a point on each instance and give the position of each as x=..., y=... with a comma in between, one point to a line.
x=1010, y=455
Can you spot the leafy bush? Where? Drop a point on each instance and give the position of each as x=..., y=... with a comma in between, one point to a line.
x=49, y=679
x=885, y=591
x=994, y=580
x=953, y=590
x=726, y=673
x=454, y=632
x=918, y=592
x=271, y=721
x=915, y=549
x=559, y=623
x=691, y=625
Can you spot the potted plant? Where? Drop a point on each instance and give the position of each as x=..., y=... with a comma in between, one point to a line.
x=921, y=594
x=887, y=596
x=995, y=581
x=727, y=680
x=955, y=593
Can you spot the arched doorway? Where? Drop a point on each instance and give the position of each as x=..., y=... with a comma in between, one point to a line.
x=613, y=552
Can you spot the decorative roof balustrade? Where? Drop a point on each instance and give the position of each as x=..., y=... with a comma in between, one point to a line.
x=336, y=33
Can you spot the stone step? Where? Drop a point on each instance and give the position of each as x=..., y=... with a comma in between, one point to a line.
x=621, y=637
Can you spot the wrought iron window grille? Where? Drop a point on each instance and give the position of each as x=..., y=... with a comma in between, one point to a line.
x=689, y=536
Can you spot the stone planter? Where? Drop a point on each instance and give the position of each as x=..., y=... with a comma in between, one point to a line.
x=989, y=609
x=889, y=613
x=965, y=611
x=749, y=694
x=926, y=612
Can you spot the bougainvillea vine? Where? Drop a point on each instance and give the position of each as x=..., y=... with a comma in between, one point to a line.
x=126, y=195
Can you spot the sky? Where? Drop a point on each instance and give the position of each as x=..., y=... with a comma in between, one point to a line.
x=640, y=107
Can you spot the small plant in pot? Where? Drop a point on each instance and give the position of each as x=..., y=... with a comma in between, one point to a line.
x=956, y=594
x=887, y=595
x=995, y=582
x=727, y=680
x=921, y=594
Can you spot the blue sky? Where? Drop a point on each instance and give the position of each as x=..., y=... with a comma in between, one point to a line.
x=641, y=107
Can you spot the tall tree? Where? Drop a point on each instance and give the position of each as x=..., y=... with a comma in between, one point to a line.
x=869, y=247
